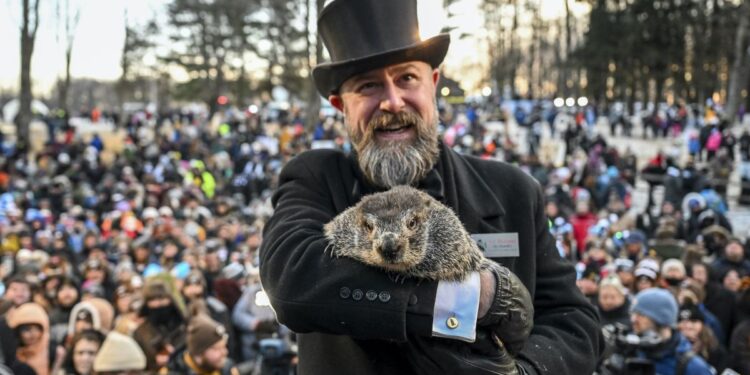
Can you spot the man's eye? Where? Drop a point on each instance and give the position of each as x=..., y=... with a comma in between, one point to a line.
x=367, y=86
x=409, y=77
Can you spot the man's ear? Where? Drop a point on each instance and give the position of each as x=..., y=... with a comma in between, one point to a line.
x=435, y=77
x=336, y=102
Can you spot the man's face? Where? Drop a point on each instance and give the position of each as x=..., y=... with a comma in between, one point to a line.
x=67, y=295
x=610, y=298
x=215, y=356
x=18, y=293
x=734, y=252
x=641, y=323
x=391, y=116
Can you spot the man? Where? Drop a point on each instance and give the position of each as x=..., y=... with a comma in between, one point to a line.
x=354, y=319
x=206, y=352
x=17, y=292
x=162, y=331
x=194, y=293
x=654, y=314
x=733, y=258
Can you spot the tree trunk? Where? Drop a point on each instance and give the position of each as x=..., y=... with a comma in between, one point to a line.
x=741, y=66
x=568, y=41
x=28, y=36
x=313, y=97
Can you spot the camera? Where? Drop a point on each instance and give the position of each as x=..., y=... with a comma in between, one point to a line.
x=623, y=346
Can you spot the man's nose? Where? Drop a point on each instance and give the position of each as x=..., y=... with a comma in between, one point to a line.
x=391, y=100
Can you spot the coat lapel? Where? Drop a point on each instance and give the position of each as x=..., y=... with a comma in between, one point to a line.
x=474, y=201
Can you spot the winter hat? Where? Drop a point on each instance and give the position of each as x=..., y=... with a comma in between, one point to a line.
x=657, y=304
x=673, y=263
x=690, y=311
x=614, y=282
x=202, y=333
x=635, y=237
x=648, y=268
x=119, y=353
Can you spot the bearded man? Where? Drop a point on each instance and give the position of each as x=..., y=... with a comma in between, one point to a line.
x=354, y=319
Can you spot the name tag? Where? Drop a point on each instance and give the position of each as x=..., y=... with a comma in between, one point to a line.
x=497, y=245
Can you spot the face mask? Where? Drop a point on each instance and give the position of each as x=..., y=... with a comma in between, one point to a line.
x=673, y=282
x=161, y=315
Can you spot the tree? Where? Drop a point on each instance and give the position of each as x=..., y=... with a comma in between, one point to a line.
x=70, y=25
x=740, y=74
x=29, y=26
x=137, y=44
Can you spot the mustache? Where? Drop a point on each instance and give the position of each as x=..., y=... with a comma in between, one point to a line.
x=387, y=120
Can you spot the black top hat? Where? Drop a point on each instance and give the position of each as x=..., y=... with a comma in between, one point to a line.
x=362, y=35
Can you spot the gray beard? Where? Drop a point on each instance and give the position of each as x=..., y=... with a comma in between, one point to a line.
x=390, y=164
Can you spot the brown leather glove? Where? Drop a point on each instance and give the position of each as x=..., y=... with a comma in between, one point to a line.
x=511, y=315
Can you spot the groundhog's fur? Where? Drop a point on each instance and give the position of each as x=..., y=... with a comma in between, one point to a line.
x=406, y=231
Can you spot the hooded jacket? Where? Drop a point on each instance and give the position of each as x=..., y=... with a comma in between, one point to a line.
x=37, y=356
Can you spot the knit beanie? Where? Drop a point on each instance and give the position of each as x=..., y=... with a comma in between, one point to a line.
x=657, y=304
x=673, y=264
x=202, y=333
x=614, y=282
x=119, y=353
x=649, y=268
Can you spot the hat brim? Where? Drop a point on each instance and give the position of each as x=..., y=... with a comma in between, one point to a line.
x=328, y=77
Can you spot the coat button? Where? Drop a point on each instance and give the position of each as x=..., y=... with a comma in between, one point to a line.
x=384, y=297
x=371, y=295
x=413, y=299
x=452, y=322
x=357, y=294
x=344, y=292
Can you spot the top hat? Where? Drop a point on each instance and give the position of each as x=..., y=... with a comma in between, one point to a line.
x=362, y=35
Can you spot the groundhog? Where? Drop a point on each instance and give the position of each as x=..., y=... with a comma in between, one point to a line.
x=408, y=232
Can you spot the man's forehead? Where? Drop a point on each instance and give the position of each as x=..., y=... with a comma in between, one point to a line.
x=395, y=68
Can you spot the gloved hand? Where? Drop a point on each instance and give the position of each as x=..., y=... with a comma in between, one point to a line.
x=485, y=356
x=511, y=315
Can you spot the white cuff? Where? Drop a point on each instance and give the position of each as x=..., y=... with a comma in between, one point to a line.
x=456, y=308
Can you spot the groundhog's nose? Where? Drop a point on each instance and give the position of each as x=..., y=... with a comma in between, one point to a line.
x=389, y=248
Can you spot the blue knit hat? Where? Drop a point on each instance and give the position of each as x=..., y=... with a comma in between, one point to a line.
x=657, y=304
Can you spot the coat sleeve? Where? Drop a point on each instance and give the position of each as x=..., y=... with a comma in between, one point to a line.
x=313, y=292
x=566, y=338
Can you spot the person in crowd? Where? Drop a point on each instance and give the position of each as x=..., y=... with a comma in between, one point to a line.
x=162, y=330
x=691, y=323
x=646, y=274
x=655, y=313
x=194, y=293
x=613, y=302
x=206, y=351
x=31, y=326
x=718, y=301
x=254, y=319
x=82, y=352
x=119, y=355
x=17, y=292
x=732, y=258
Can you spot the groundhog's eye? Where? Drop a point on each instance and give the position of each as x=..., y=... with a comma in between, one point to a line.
x=412, y=223
x=368, y=227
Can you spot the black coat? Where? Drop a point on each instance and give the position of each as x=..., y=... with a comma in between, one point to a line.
x=341, y=335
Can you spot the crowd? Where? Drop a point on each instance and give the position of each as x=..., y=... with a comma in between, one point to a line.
x=149, y=251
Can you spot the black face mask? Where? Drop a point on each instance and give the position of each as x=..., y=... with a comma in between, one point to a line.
x=162, y=316
x=673, y=282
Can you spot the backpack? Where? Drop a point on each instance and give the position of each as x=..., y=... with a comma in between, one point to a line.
x=714, y=141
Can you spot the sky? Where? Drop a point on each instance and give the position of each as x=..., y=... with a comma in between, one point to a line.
x=100, y=35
